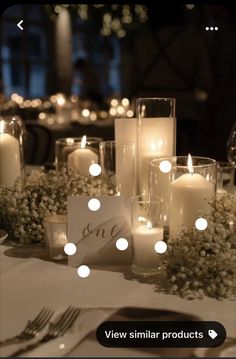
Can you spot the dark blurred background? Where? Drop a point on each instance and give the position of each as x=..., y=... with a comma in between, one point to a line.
x=100, y=53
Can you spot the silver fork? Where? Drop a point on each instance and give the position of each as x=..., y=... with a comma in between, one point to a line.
x=56, y=329
x=32, y=328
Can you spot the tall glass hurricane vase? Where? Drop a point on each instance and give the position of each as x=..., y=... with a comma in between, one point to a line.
x=156, y=134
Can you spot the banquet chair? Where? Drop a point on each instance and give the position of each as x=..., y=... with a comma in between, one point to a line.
x=38, y=143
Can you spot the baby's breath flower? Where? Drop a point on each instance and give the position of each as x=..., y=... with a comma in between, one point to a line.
x=204, y=263
x=23, y=208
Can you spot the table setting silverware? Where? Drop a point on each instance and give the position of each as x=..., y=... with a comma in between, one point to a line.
x=56, y=329
x=32, y=328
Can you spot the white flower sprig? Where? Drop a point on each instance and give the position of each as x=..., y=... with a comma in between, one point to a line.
x=22, y=208
x=202, y=263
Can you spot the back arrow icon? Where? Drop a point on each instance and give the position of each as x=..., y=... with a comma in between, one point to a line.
x=19, y=25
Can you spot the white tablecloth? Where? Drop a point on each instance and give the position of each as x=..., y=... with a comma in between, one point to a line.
x=30, y=281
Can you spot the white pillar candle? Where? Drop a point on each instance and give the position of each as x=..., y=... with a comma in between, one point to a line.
x=126, y=175
x=156, y=138
x=190, y=193
x=144, y=240
x=126, y=129
x=10, y=167
x=82, y=158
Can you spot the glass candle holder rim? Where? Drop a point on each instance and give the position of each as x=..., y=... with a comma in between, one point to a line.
x=9, y=117
x=71, y=141
x=146, y=198
x=224, y=165
x=9, y=120
x=55, y=218
x=113, y=142
x=211, y=161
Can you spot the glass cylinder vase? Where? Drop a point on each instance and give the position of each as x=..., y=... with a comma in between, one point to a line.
x=156, y=134
x=55, y=231
x=117, y=160
x=77, y=153
x=11, y=150
x=147, y=231
x=225, y=177
x=187, y=185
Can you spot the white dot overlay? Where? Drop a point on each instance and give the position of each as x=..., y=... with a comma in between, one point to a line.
x=165, y=166
x=94, y=204
x=160, y=247
x=207, y=28
x=70, y=249
x=122, y=244
x=83, y=271
x=201, y=224
x=95, y=169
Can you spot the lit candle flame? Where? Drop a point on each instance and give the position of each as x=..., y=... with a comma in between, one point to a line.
x=190, y=164
x=83, y=141
x=149, y=225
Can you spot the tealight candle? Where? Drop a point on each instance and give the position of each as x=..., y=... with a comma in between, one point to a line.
x=55, y=227
x=60, y=239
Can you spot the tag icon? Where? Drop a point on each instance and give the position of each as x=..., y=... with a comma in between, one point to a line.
x=212, y=333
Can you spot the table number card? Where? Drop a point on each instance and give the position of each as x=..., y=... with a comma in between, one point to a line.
x=95, y=232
